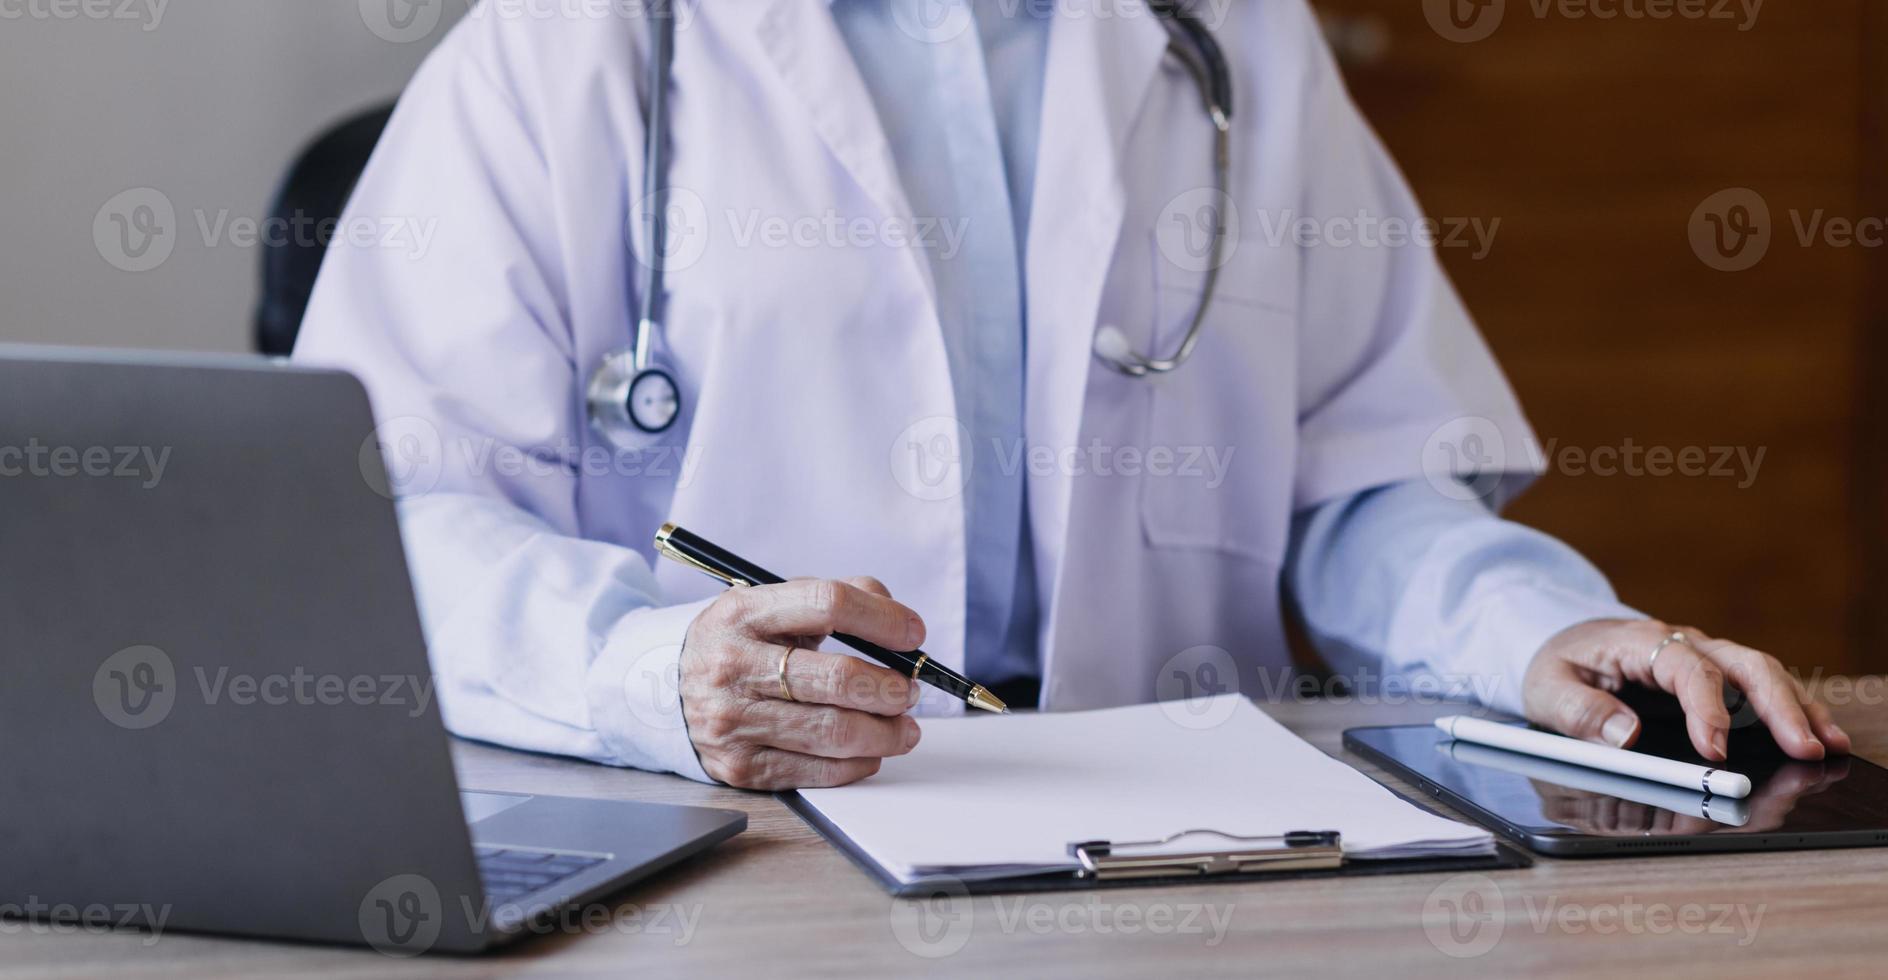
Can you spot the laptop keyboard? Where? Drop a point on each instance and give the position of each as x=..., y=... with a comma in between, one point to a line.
x=513, y=873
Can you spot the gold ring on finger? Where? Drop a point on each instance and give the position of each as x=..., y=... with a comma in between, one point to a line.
x=786, y=690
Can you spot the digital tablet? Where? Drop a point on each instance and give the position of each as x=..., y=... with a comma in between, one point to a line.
x=1567, y=810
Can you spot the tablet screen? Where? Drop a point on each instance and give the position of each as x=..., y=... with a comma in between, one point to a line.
x=1840, y=794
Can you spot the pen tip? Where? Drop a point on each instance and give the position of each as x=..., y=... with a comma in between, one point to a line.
x=980, y=698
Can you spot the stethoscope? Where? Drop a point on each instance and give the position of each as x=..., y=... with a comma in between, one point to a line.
x=633, y=397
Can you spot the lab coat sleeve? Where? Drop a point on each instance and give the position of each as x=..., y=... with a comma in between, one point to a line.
x=539, y=638
x=1390, y=365
x=1398, y=389
x=1430, y=585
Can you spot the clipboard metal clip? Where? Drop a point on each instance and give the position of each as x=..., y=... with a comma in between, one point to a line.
x=1300, y=850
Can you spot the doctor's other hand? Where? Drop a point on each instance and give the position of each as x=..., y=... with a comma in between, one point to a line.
x=831, y=719
x=1570, y=682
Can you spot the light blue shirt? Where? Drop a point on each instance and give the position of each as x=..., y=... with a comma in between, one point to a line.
x=962, y=110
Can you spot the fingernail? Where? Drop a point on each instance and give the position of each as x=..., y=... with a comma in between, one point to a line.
x=914, y=631
x=1720, y=745
x=1618, y=729
x=912, y=734
x=1836, y=730
x=912, y=693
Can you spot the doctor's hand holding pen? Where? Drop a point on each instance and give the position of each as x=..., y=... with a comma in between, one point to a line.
x=766, y=710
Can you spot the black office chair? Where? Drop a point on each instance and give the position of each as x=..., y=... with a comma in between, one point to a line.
x=316, y=190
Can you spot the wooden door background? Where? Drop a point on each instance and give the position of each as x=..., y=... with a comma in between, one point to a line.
x=1596, y=142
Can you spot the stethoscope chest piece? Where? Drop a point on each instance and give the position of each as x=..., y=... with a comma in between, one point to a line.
x=630, y=405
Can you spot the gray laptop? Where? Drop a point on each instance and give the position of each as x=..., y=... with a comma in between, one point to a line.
x=214, y=692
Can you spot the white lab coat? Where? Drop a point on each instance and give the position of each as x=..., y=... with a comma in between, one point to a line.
x=1323, y=370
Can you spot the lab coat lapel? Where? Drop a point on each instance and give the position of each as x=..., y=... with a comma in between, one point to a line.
x=810, y=55
x=1100, y=69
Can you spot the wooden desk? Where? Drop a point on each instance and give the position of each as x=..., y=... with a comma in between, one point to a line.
x=777, y=900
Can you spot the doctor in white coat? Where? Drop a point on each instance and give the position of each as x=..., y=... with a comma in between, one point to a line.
x=898, y=228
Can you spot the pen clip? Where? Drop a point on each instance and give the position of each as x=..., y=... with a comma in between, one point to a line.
x=670, y=551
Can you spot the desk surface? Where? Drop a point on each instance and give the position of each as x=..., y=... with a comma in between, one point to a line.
x=778, y=900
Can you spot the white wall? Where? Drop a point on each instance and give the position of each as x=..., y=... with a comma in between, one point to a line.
x=205, y=102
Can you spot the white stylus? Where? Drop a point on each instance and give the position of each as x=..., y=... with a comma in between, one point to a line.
x=1514, y=738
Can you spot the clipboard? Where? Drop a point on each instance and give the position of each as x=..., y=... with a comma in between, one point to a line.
x=1208, y=856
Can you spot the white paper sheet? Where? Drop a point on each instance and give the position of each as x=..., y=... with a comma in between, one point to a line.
x=994, y=796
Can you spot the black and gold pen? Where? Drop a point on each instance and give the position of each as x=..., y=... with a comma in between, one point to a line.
x=733, y=570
